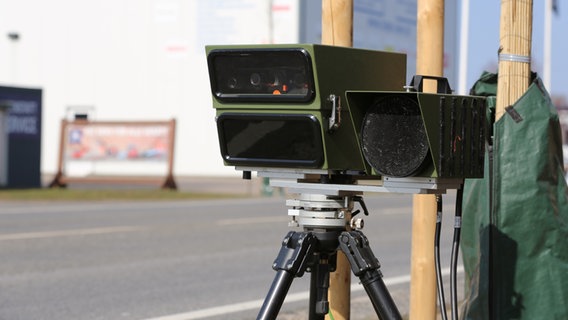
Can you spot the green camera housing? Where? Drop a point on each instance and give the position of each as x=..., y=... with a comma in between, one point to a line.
x=284, y=106
x=341, y=111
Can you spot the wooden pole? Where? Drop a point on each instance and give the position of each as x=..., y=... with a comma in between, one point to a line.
x=430, y=61
x=337, y=23
x=337, y=30
x=514, y=53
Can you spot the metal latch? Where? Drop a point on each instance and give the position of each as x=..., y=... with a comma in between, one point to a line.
x=335, y=119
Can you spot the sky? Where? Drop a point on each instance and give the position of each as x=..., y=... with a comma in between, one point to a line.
x=484, y=42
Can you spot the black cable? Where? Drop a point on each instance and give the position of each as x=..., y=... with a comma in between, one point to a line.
x=441, y=298
x=455, y=251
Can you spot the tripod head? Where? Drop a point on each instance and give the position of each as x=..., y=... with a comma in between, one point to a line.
x=325, y=212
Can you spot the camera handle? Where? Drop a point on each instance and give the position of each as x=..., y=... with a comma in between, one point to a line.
x=335, y=118
x=443, y=85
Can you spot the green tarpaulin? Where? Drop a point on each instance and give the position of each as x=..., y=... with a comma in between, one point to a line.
x=515, y=220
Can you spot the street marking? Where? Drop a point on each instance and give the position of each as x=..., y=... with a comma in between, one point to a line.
x=95, y=206
x=295, y=297
x=252, y=220
x=68, y=233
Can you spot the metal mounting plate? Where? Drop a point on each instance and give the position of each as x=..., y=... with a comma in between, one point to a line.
x=410, y=185
x=292, y=179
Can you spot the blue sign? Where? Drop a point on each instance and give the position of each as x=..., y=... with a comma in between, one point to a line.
x=24, y=135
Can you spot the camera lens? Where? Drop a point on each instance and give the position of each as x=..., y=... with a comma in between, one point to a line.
x=255, y=79
x=394, y=138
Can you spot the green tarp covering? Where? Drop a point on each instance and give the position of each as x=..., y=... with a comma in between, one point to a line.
x=515, y=220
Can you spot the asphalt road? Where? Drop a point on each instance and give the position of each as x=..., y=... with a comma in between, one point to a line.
x=174, y=260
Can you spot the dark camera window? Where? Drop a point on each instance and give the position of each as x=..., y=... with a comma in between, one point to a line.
x=270, y=140
x=261, y=75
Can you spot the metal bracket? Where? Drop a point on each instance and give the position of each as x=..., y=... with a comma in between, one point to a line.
x=320, y=211
x=298, y=181
x=335, y=119
x=387, y=185
x=297, y=248
x=357, y=250
x=443, y=86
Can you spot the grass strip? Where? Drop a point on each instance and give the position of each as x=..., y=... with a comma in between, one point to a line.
x=55, y=194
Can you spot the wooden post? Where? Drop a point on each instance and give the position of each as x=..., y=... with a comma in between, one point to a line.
x=337, y=22
x=430, y=61
x=337, y=30
x=57, y=181
x=514, y=53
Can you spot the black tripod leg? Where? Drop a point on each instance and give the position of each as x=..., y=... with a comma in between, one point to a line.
x=366, y=266
x=297, y=248
x=319, y=285
x=276, y=295
x=380, y=297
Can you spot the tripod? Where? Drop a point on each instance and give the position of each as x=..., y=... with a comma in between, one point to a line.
x=324, y=220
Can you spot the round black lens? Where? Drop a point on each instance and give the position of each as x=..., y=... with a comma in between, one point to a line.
x=393, y=136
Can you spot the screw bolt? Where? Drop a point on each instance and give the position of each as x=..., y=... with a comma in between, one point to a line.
x=357, y=223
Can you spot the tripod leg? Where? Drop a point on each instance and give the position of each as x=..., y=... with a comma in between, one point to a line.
x=297, y=248
x=276, y=295
x=378, y=293
x=319, y=285
x=366, y=266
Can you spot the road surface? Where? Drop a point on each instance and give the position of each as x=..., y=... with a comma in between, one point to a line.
x=174, y=260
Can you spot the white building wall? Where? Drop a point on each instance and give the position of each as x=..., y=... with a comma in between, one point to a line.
x=145, y=59
x=133, y=60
